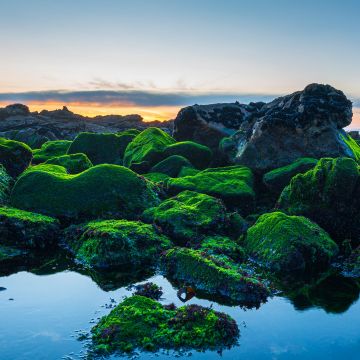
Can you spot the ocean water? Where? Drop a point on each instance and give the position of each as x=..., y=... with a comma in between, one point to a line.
x=42, y=313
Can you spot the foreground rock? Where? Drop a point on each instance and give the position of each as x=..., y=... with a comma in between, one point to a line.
x=27, y=230
x=14, y=156
x=50, y=149
x=74, y=163
x=102, y=191
x=290, y=245
x=111, y=244
x=204, y=273
x=190, y=216
x=144, y=324
x=329, y=194
x=307, y=123
x=232, y=184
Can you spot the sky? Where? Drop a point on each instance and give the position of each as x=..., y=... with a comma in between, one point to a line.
x=154, y=56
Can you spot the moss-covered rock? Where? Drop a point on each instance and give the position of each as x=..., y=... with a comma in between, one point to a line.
x=101, y=191
x=232, y=184
x=74, y=163
x=352, y=145
x=15, y=156
x=290, y=244
x=5, y=183
x=202, y=271
x=189, y=216
x=188, y=171
x=24, y=229
x=147, y=149
x=329, y=194
x=50, y=149
x=156, y=177
x=277, y=179
x=106, y=148
x=48, y=168
x=142, y=323
x=198, y=155
x=171, y=166
x=110, y=244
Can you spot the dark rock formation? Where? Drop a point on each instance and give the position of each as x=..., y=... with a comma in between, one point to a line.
x=306, y=123
x=33, y=128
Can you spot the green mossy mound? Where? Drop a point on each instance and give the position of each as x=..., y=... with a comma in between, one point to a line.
x=329, y=194
x=198, y=155
x=277, y=179
x=15, y=156
x=290, y=244
x=74, y=163
x=111, y=244
x=189, y=216
x=102, y=191
x=107, y=148
x=352, y=145
x=171, y=166
x=48, y=168
x=156, y=177
x=147, y=149
x=27, y=230
x=188, y=171
x=205, y=273
x=232, y=184
x=50, y=149
x=144, y=324
x=5, y=184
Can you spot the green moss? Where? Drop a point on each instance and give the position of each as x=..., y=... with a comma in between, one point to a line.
x=112, y=244
x=5, y=183
x=15, y=156
x=101, y=191
x=187, y=171
x=74, y=163
x=171, y=166
x=104, y=148
x=278, y=178
x=50, y=149
x=48, y=168
x=189, y=216
x=289, y=244
x=329, y=194
x=142, y=323
x=147, y=149
x=352, y=145
x=221, y=245
x=198, y=155
x=26, y=229
x=232, y=184
x=202, y=271
x=156, y=177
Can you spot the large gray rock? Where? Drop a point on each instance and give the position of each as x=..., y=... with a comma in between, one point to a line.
x=306, y=123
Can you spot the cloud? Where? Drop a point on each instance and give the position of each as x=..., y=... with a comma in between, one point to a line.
x=129, y=97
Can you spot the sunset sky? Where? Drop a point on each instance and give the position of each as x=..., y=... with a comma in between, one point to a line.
x=153, y=57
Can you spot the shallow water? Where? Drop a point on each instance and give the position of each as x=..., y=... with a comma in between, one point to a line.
x=42, y=320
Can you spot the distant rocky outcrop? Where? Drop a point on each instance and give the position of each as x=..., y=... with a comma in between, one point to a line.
x=35, y=128
x=307, y=123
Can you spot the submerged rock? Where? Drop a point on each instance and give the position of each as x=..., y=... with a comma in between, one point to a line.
x=205, y=273
x=142, y=323
x=50, y=149
x=14, y=156
x=74, y=163
x=101, y=191
x=27, y=230
x=289, y=245
x=329, y=194
x=111, y=244
x=105, y=148
x=232, y=184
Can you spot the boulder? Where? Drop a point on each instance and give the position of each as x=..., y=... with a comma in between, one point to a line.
x=145, y=324
x=275, y=180
x=14, y=156
x=105, y=148
x=289, y=245
x=232, y=184
x=114, y=244
x=27, y=230
x=50, y=149
x=329, y=194
x=101, y=191
x=73, y=163
x=171, y=166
